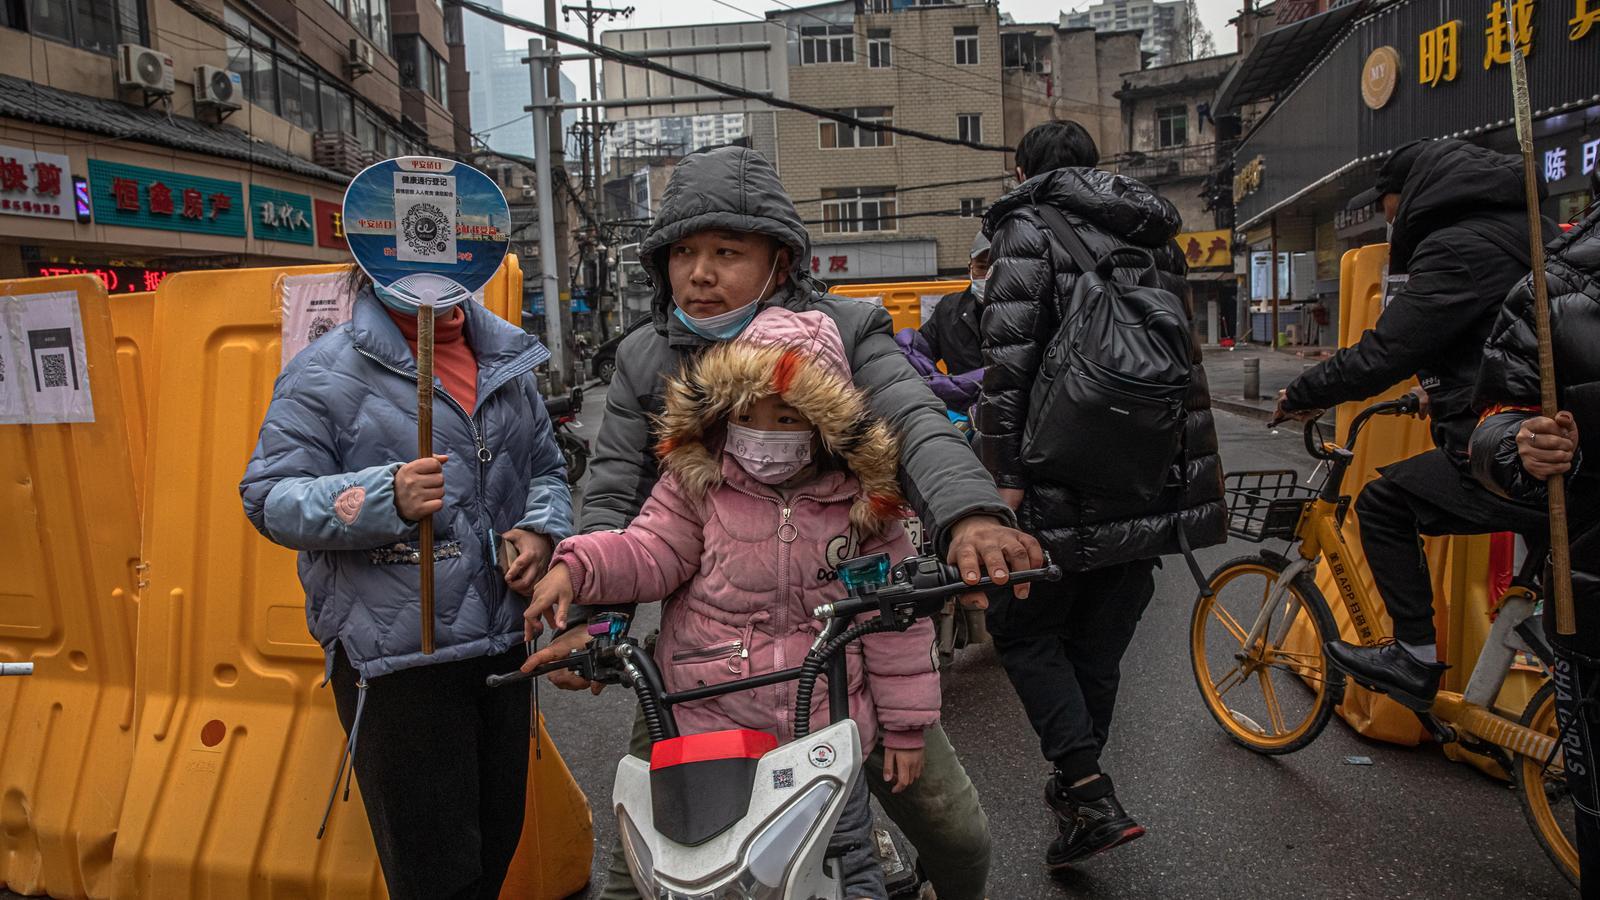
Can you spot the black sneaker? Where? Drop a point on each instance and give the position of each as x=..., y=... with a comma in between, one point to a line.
x=1085, y=827
x=1388, y=669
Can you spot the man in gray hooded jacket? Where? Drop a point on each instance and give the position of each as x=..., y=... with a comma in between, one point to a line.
x=727, y=210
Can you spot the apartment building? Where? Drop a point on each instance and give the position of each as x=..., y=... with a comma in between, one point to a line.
x=1161, y=23
x=879, y=205
x=1050, y=72
x=147, y=136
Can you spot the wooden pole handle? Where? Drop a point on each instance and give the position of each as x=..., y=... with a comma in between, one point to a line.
x=424, y=450
x=1560, y=590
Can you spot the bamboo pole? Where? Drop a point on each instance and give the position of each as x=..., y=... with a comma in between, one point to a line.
x=425, y=450
x=1560, y=550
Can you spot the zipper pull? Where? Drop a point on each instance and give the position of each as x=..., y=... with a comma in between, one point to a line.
x=786, y=530
x=484, y=456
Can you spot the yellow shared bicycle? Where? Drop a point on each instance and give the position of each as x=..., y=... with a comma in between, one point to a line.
x=1257, y=636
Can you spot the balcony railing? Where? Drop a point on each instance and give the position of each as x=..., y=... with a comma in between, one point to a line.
x=1186, y=161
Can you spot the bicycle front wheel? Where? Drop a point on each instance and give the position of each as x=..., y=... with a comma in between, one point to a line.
x=1272, y=693
x=1542, y=789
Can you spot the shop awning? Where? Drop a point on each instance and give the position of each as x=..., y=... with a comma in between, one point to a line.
x=1280, y=55
x=45, y=105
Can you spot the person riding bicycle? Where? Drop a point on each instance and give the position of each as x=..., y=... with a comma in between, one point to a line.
x=1459, y=232
x=1514, y=450
x=775, y=471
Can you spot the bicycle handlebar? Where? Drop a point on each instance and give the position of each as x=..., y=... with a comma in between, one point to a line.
x=1407, y=404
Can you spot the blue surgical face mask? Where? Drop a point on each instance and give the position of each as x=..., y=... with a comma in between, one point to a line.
x=978, y=286
x=727, y=325
x=388, y=298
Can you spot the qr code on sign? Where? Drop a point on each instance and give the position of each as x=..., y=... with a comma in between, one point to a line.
x=53, y=369
x=782, y=779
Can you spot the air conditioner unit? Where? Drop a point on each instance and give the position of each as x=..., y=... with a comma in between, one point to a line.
x=217, y=88
x=528, y=192
x=360, y=59
x=143, y=68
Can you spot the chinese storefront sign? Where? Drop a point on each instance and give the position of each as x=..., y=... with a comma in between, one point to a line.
x=1438, y=53
x=35, y=184
x=1573, y=158
x=280, y=216
x=171, y=201
x=330, y=225
x=1248, y=181
x=1379, y=76
x=44, y=374
x=1439, y=49
x=1207, y=249
x=1498, y=36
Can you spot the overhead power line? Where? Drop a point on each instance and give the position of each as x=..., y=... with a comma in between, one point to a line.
x=719, y=87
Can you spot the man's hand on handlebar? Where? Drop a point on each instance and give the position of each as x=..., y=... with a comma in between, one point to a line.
x=560, y=649
x=1282, y=414
x=981, y=543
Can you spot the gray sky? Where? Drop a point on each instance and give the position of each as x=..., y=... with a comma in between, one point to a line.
x=650, y=13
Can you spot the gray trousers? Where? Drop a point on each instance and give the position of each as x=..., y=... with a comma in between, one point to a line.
x=939, y=814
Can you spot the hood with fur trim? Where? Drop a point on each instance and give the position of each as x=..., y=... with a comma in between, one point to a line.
x=799, y=357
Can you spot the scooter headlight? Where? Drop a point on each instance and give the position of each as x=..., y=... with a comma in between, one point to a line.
x=640, y=865
x=768, y=856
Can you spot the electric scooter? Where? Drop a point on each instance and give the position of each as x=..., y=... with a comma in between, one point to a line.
x=733, y=815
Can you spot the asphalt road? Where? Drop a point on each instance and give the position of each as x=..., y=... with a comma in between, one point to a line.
x=1223, y=822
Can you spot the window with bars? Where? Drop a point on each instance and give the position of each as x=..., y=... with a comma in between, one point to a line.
x=1172, y=126
x=878, y=48
x=971, y=207
x=827, y=44
x=833, y=135
x=853, y=210
x=371, y=18
x=969, y=127
x=421, y=67
x=967, y=45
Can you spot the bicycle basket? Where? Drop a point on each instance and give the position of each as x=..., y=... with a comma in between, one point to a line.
x=1265, y=505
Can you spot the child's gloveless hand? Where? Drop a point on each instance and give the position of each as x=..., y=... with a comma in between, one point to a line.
x=551, y=598
x=902, y=768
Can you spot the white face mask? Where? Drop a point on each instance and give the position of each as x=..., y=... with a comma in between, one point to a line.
x=1388, y=232
x=979, y=285
x=771, y=457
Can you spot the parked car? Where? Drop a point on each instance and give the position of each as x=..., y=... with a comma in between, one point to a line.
x=603, y=361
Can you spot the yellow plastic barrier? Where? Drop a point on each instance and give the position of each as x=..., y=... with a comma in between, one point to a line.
x=237, y=744
x=1460, y=565
x=69, y=544
x=905, y=300
x=552, y=861
x=133, y=319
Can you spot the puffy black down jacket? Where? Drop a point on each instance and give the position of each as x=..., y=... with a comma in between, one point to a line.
x=1461, y=237
x=1030, y=280
x=1508, y=393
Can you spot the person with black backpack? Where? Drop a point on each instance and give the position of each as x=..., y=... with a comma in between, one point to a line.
x=1095, y=421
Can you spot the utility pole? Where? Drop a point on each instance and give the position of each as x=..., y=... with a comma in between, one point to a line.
x=592, y=191
x=558, y=172
x=551, y=259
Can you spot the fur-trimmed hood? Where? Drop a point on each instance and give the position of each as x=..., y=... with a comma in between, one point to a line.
x=799, y=357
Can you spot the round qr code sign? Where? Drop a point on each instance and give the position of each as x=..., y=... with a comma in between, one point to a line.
x=424, y=229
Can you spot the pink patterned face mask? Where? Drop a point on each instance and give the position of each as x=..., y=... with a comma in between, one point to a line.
x=771, y=457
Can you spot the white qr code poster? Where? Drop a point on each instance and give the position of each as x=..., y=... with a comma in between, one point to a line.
x=46, y=377
x=425, y=218
x=313, y=305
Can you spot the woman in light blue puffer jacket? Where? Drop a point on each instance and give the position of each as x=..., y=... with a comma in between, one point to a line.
x=442, y=760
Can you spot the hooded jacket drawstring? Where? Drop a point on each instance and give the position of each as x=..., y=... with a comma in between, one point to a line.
x=348, y=758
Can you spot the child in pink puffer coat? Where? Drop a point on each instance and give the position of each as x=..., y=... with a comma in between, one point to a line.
x=774, y=471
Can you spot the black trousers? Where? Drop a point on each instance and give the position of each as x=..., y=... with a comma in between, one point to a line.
x=1426, y=495
x=443, y=765
x=1062, y=649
